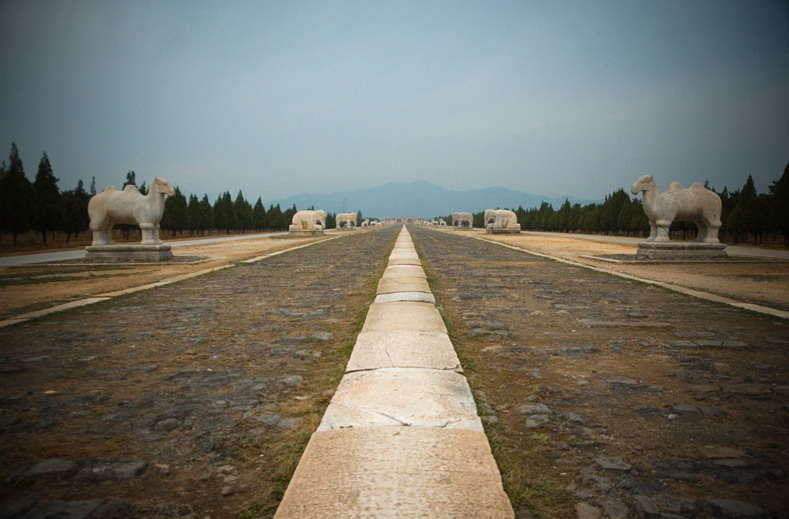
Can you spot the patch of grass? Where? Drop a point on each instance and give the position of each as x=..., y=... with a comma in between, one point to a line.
x=540, y=437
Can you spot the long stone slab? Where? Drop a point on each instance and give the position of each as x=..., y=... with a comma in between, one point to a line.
x=400, y=472
x=402, y=284
x=375, y=350
x=410, y=270
x=398, y=316
x=414, y=297
x=412, y=397
x=403, y=254
x=404, y=261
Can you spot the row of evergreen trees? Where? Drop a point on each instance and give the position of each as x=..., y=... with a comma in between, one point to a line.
x=41, y=206
x=746, y=216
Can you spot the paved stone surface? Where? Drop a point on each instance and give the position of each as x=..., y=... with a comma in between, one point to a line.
x=374, y=350
x=409, y=397
x=413, y=297
x=137, y=406
x=396, y=472
x=570, y=365
x=402, y=283
x=403, y=316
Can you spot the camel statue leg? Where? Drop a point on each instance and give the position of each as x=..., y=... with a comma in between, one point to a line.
x=102, y=232
x=711, y=231
x=148, y=234
x=701, y=231
x=662, y=230
x=652, y=231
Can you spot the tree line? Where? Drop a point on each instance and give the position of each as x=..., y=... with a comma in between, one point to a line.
x=41, y=206
x=747, y=215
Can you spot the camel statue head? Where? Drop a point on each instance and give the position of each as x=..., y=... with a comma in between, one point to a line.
x=161, y=185
x=644, y=183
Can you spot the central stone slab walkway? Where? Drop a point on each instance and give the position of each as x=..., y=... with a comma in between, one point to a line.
x=401, y=436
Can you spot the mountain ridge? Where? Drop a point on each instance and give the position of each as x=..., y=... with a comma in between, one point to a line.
x=420, y=199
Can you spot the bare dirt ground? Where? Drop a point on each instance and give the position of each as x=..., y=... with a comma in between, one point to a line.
x=601, y=397
x=606, y=397
x=33, y=287
x=193, y=399
x=763, y=282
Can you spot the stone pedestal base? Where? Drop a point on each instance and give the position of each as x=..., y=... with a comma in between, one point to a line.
x=508, y=230
x=294, y=230
x=670, y=250
x=137, y=252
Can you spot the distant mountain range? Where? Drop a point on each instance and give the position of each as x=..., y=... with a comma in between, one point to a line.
x=420, y=199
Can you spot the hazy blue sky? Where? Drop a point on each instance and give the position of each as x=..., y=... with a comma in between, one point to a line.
x=276, y=98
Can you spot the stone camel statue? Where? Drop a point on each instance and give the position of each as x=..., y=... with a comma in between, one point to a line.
x=695, y=204
x=129, y=206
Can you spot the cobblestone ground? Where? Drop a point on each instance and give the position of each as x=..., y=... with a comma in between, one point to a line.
x=195, y=399
x=604, y=397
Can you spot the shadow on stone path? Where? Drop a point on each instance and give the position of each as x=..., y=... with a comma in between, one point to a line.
x=604, y=397
x=193, y=399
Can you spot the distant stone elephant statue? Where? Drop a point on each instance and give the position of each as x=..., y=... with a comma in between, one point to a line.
x=501, y=219
x=346, y=220
x=129, y=206
x=695, y=204
x=463, y=220
x=308, y=221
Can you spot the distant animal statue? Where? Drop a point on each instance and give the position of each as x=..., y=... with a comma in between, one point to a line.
x=462, y=220
x=129, y=206
x=308, y=221
x=501, y=219
x=695, y=204
x=346, y=220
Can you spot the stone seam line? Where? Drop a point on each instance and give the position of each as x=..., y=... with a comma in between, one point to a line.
x=108, y=295
x=676, y=288
x=401, y=436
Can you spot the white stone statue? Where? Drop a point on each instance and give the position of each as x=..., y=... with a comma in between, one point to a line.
x=129, y=206
x=501, y=220
x=346, y=220
x=463, y=220
x=695, y=204
x=365, y=223
x=308, y=221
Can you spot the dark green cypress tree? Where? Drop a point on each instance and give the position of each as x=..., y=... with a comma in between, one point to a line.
x=75, y=211
x=49, y=201
x=17, y=198
x=259, y=220
x=779, y=205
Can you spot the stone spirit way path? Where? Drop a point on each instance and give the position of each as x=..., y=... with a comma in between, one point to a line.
x=606, y=397
x=193, y=399
x=401, y=436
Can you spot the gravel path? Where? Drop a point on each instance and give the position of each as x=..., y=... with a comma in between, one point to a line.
x=194, y=399
x=609, y=398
